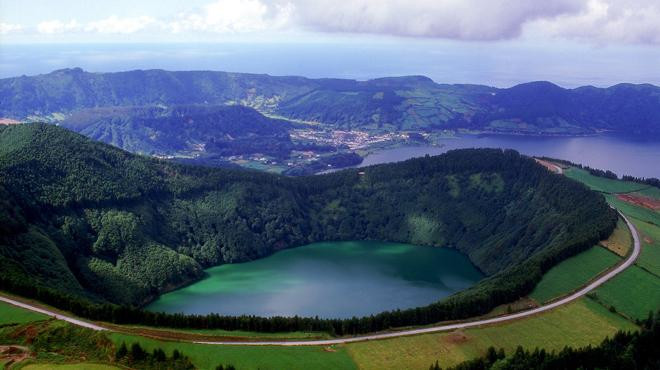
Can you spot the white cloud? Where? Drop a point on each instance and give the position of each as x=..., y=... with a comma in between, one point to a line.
x=118, y=25
x=604, y=21
x=7, y=28
x=596, y=21
x=232, y=16
x=454, y=19
x=57, y=26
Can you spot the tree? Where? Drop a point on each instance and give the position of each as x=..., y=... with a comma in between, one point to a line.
x=121, y=352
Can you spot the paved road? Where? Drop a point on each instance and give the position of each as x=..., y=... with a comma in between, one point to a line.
x=593, y=285
x=52, y=314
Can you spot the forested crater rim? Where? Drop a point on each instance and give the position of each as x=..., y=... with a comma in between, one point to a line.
x=121, y=228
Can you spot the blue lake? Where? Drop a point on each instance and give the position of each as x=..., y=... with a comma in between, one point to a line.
x=623, y=155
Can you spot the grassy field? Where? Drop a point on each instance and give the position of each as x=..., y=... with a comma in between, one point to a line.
x=601, y=183
x=637, y=212
x=634, y=293
x=81, y=366
x=243, y=357
x=573, y=273
x=652, y=192
x=14, y=315
x=620, y=241
x=650, y=257
x=580, y=323
x=217, y=333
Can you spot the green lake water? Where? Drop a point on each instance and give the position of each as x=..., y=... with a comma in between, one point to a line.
x=329, y=280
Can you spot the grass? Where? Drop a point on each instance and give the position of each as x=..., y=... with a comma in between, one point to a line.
x=633, y=293
x=637, y=212
x=249, y=357
x=621, y=240
x=602, y=184
x=651, y=192
x=577, y=324
x=14, y=315
x=650, y=238
x=81, y=366
x=218, y=333
x=573, y=273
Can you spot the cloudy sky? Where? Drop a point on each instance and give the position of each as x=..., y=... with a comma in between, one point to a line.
x=601, y=37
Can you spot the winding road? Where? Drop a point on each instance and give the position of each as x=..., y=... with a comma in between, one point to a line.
x=462, y=325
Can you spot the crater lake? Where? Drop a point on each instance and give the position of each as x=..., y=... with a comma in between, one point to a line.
x=329, y=280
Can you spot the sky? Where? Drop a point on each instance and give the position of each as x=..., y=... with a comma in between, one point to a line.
x=495, y=42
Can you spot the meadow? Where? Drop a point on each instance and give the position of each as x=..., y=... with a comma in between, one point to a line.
x=620, y=241
x=573, y=273
x=580, y=323
x=249, y=357
x=81, y=366
x=634, y=293
x=14, y=315
x=602, y=184
x=640, y=213
x=650, y=257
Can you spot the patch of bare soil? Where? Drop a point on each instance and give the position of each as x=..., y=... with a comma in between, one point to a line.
x=549, y=165
x=457, y=337
x=177, y=335
x=640, y=200
x=13, y=354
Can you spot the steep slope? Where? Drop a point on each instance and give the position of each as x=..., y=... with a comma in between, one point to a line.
x=220, y=130
x=123, y=228
x=399, y=103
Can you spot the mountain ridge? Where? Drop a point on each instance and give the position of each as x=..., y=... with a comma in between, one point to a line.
x=391, y=103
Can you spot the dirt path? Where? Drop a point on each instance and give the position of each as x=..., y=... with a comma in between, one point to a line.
x=439, y=328
x=550, y=166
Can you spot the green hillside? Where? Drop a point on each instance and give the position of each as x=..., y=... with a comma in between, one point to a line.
x=400, y=103
x=213, y=130
x=90, y=220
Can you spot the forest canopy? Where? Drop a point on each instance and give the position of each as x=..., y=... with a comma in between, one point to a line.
x=89, y=225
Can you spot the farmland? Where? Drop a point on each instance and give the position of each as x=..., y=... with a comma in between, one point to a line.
x=81, y=366
x=13, y=315
x=249, y=357
x=650, y=257
x=620, y=241
x=573, y=273
x=633, y=293
x=580, y=323
x=603, y=184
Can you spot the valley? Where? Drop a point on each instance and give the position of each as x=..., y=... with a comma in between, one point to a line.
x=299, y=126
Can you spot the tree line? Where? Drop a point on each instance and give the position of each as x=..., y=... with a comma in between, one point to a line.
x=99, y=232
x=625, y=350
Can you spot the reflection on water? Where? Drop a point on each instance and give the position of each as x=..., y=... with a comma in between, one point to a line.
x=625, y=156
x=332, y=279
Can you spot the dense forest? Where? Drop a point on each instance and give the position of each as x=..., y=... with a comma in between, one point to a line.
x=397, y=103
x=98, y=231
x=215, y=130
